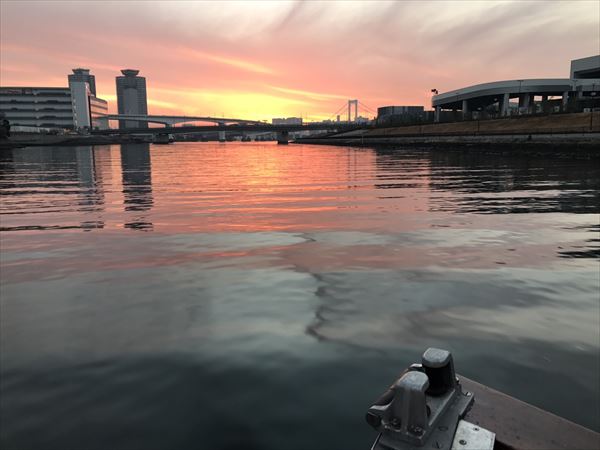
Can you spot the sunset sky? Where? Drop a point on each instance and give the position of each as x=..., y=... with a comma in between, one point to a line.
x=259, y=60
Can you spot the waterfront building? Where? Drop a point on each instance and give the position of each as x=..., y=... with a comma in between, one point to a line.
x=131, y=97
x=396, y=115
x=84, y=75
x=88, y=110
x=579, y=92
x=74, y=107
x=287, y=121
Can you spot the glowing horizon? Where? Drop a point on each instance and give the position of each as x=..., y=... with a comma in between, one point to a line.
x=259, y=60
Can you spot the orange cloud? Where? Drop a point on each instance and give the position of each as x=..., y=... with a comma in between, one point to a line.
x=262, y=60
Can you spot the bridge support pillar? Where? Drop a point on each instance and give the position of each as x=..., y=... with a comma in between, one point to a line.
x=222, y=137
x=565, y=101
x=505, y=106
x=283, y=137
x=525, y=103
x=545, y=104
x=465, y=109
x=436, y=114
x=103, y=123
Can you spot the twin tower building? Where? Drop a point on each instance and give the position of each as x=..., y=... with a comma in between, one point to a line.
x=131, y=97
x=76, y=107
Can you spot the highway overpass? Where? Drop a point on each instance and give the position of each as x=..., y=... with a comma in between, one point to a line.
x=172, y=120
x=282, y=131
x=480, y=96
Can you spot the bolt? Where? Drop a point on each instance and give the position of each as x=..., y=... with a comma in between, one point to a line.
x=462, y=442
x=476, y=429
x=416, y=430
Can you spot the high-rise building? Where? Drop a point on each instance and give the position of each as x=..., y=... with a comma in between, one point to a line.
x=131, y=97
x=74, y=107
x=85, y=76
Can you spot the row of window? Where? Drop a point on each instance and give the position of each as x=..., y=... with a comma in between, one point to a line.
x=45, y=124
x=66, y=110
x=35, y=94
x=25, y=102
x=41, y=117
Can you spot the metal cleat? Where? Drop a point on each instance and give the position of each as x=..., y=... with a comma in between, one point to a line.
x=422, y=408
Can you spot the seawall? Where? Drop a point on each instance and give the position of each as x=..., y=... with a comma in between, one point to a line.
x=568, y=133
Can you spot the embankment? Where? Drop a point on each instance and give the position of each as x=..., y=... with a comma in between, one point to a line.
x=35, y=139
x=579, y=132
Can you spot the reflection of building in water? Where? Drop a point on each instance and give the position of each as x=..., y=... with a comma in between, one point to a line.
x=91, y=199
x=137, y=184
x=48, y=176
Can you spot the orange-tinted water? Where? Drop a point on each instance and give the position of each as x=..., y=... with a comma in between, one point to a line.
x=203, y=295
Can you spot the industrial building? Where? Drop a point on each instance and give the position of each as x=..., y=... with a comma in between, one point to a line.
x=132, y=98
x=75, y=107
x=545, y=95
x=397, y=115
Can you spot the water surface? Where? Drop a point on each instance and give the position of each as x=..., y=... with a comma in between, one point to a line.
x=255, y=296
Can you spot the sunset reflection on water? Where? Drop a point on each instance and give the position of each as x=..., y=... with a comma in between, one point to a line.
x=146, y=287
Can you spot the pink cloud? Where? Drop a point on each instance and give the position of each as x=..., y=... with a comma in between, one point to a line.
x=297, y=58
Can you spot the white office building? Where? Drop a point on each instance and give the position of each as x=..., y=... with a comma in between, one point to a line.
x=75, y=107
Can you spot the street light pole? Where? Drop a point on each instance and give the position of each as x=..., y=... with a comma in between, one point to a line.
x=519, y=95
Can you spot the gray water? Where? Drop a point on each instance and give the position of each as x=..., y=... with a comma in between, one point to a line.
x=242, y=295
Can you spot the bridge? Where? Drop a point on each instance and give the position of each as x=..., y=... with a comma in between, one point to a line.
x=172, y=120
x=223, y=124
x=240, y=127
x=481, y=96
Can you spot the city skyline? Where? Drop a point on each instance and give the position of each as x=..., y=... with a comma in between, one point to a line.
x=264, y=60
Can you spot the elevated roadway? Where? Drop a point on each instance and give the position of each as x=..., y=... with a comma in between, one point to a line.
x=172, y=120
x=239, y=127
x=480, y=96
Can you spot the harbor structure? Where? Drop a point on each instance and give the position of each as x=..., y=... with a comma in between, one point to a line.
x=75, y=107
x=542, y=95
x=131, y=97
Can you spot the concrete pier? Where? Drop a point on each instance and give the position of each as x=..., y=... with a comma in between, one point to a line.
x=465, y=109
x=505, y=105
x=283, y=137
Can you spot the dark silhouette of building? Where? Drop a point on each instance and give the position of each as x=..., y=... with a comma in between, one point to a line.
x=131, y=97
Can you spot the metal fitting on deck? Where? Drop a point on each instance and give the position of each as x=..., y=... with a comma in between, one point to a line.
x=423, y=407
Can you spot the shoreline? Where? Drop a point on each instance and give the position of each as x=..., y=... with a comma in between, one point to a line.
x=578, y=148
x=20, y=141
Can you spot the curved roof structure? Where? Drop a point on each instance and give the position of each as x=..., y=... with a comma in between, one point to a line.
x=537, y=86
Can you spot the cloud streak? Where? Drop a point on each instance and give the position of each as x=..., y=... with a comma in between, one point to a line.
x=267, y=59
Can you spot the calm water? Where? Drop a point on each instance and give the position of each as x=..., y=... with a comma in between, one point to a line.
x=224, y=296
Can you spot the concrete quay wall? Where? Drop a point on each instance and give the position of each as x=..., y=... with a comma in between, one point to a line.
x=556, y=123
x=574, y=132
x=578, y=145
